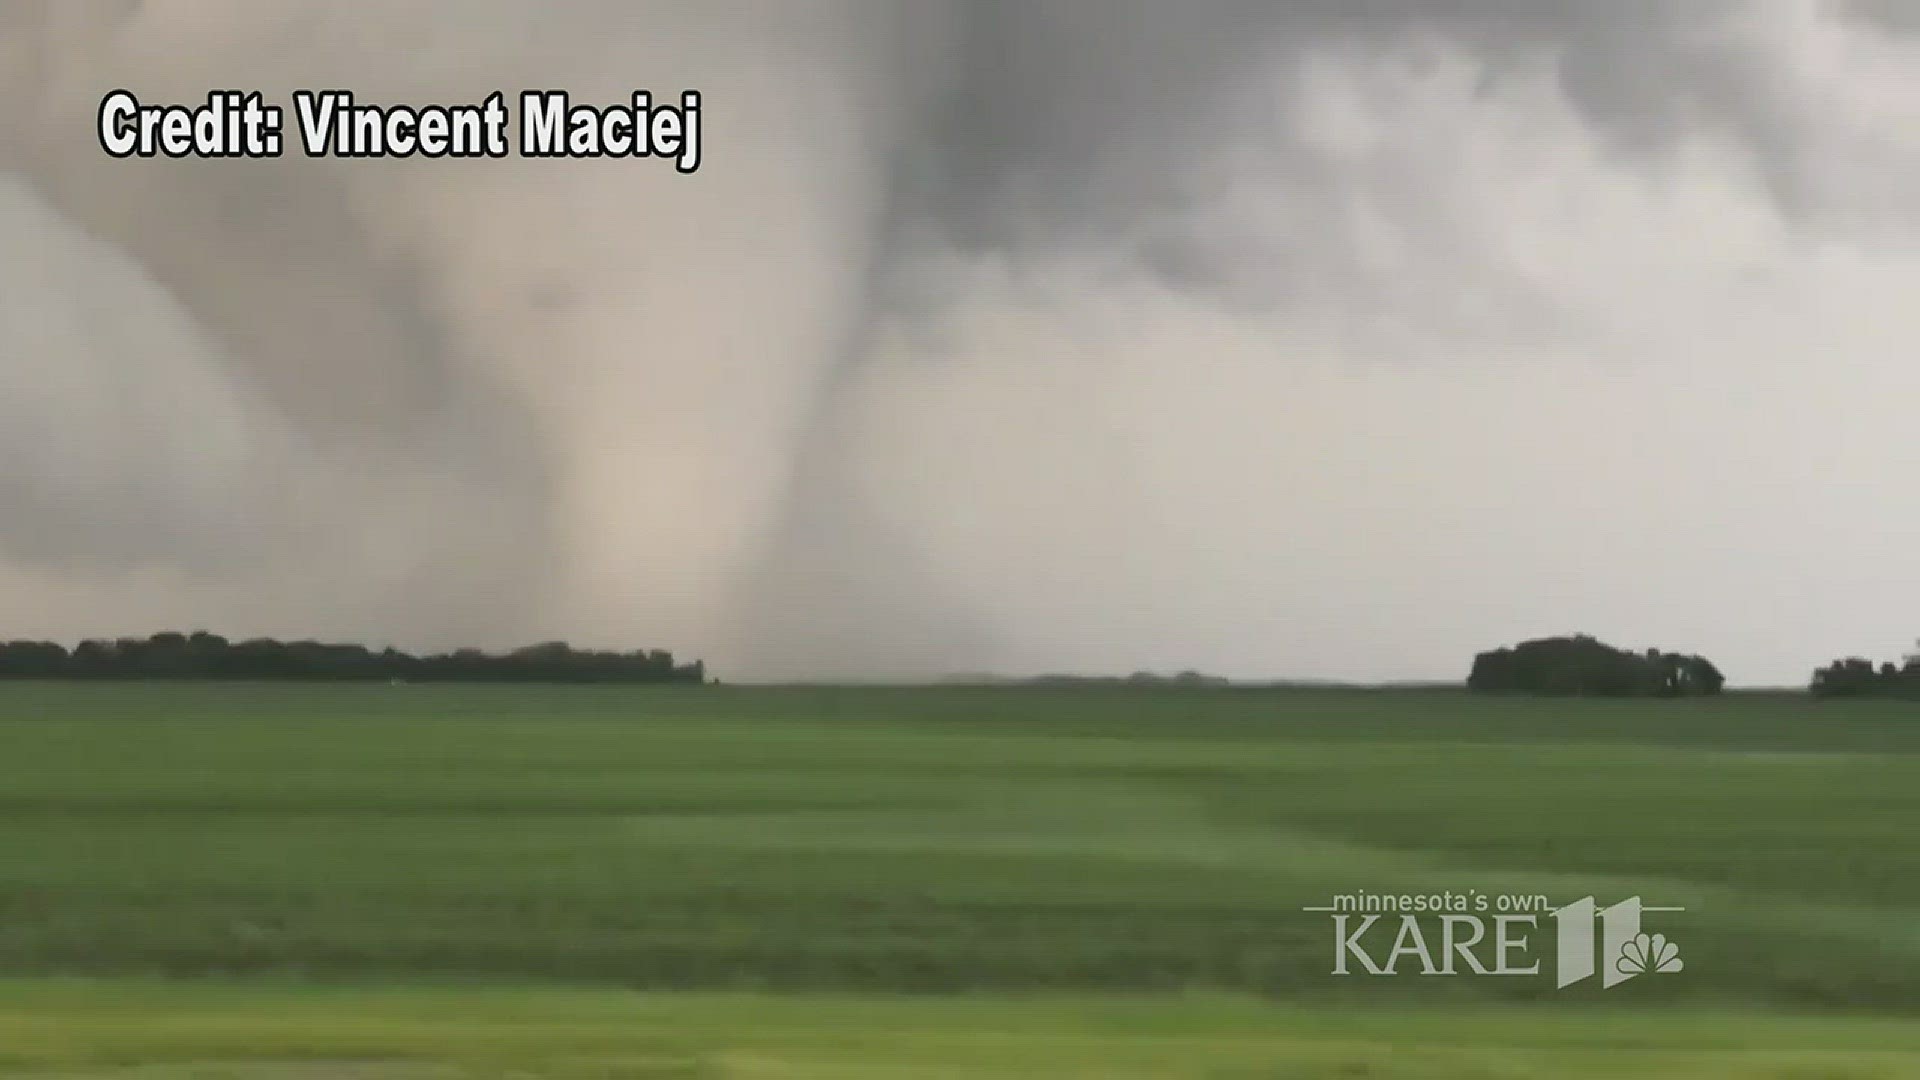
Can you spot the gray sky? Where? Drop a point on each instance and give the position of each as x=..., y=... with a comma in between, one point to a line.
x=1274, y=339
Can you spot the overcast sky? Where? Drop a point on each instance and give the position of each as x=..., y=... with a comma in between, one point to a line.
x=1309, y=338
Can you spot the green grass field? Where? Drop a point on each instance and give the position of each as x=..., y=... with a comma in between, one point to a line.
x=208, y=881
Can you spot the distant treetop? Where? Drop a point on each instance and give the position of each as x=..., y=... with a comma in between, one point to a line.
x=1856, y=677
x=1581, y=664
x=207, y=656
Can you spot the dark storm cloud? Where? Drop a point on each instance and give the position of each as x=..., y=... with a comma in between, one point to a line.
x=980, y=339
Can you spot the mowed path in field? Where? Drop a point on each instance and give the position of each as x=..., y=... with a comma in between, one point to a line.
x=1009, y=841
x=129, y=1032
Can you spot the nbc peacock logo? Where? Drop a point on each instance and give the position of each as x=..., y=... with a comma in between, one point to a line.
x=1650, y=954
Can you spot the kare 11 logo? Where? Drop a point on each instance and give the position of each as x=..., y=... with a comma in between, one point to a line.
x=1475, y=933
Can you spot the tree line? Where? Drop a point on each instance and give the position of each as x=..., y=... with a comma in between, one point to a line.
x=207, y=656
x=1855, y=677
x=1584, y=665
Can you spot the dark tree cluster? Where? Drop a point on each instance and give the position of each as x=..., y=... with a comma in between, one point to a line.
x=1584, y=665
x=211, y=657
x=1862, y=678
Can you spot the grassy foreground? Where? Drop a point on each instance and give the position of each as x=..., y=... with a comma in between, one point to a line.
x=813, y=863
x=127, y=1032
